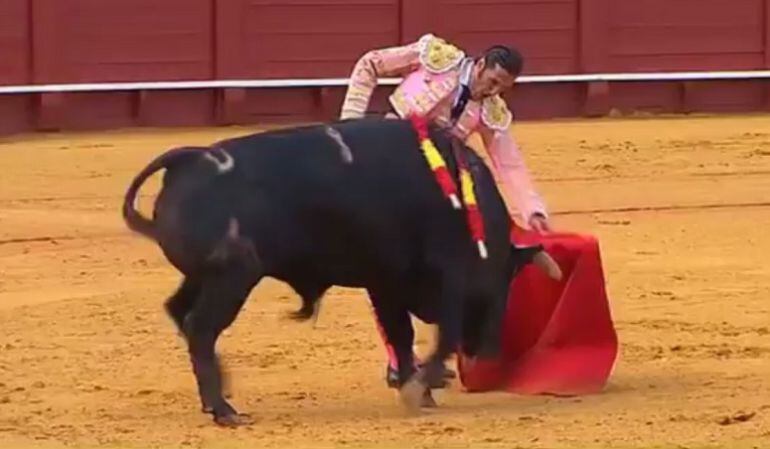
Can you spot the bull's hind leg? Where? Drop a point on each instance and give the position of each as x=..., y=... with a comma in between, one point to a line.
x=181, y=303
x=311, y=294
x=223, y=295
x=178, y=306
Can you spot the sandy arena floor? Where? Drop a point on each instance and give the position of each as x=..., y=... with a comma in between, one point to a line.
x=681, y=207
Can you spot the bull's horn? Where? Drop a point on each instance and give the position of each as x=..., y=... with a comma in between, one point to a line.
x=545, y=262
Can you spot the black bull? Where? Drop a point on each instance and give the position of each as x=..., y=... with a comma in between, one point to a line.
x=351, y=204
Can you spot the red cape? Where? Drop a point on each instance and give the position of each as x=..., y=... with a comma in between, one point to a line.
x=558, y=337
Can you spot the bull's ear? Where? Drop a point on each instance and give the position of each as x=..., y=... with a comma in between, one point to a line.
x=523, y=255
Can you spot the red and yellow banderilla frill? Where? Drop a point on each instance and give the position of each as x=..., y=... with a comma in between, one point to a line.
x=435, y=161
x=441, y=173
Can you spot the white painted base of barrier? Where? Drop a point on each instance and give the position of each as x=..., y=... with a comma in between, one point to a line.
x=341, y=82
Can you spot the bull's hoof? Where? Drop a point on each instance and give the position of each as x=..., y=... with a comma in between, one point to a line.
x=443, y=381
x=412, y=394
x=209, y=409
x=438, y=384
x=427, y=400
x=448, y=373
x=391, y=377
x=234, y=420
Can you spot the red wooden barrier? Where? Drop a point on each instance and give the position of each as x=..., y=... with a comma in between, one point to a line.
x=656, y=35
x=53, y=41
x=295, y=39
x=544, y=31
x=123, y=40
x=15, y=64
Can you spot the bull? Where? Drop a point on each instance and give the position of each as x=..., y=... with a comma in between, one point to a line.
x=350, y=203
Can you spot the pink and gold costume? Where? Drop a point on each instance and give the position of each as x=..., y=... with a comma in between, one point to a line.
x=432, y=71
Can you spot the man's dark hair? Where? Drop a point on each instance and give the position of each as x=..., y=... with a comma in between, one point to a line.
x=506, y=57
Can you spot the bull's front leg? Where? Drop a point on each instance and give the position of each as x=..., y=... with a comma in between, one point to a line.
x=396, y=326
x=453, y=284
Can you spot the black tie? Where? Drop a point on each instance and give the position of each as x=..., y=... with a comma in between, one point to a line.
x=465, y=94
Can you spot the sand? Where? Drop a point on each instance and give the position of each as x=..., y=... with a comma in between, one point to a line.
x=681, y=207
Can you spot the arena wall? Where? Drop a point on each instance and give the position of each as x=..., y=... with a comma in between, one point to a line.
x=77, y=41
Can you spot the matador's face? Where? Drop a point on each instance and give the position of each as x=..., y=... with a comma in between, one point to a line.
x=489, y=81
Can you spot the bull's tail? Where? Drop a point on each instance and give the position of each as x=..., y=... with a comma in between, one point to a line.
x=135, y=221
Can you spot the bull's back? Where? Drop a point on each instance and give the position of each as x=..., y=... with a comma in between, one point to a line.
x=361, y=201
